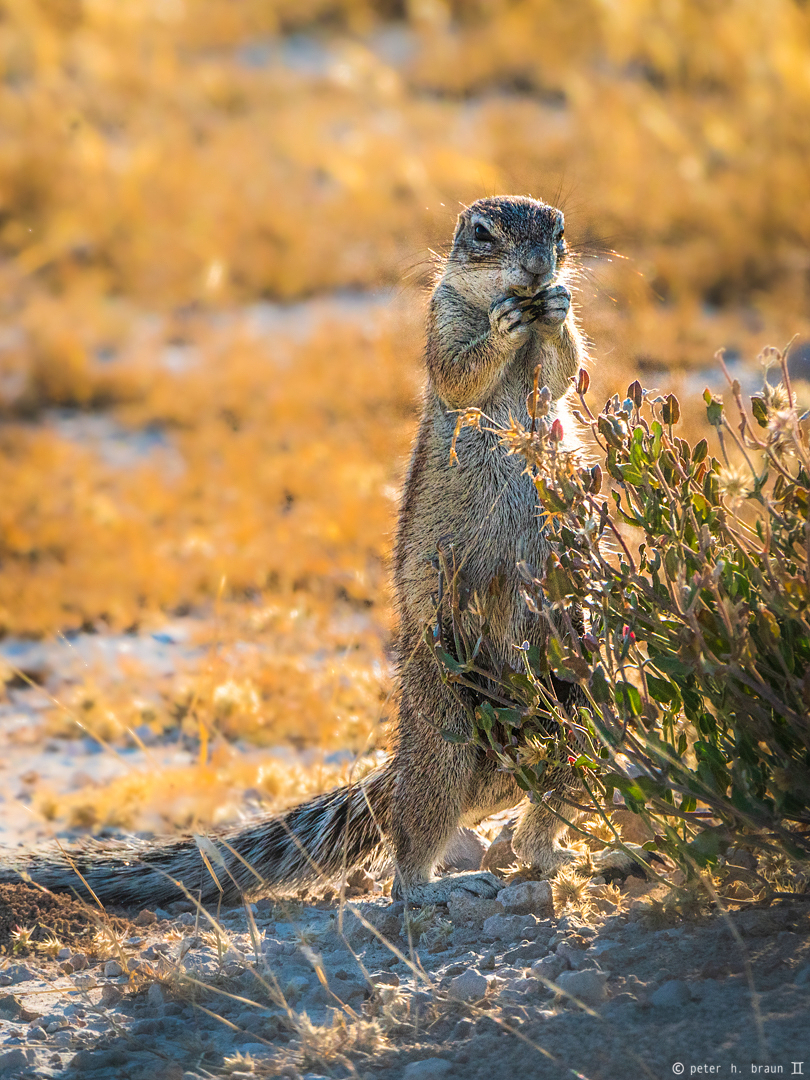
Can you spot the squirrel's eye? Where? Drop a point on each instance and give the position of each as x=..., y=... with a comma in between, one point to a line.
x=482, y=233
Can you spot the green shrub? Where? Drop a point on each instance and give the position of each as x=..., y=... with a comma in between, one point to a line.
x=678, y=606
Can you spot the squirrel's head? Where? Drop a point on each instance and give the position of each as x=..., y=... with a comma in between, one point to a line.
x=505, y=244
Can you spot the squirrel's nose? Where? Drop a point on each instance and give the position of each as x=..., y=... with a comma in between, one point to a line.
x=536, y=262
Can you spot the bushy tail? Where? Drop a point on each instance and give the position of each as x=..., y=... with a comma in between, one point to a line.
x=313, y=841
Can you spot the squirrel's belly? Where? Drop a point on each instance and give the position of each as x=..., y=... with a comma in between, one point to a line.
x=486, y=510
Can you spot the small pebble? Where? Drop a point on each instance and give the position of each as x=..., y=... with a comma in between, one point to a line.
x=504, y=927
x=549, y=967
x=464, y=1028
x=586, y=986
x=525, y=953
x=471, y=910
x=471, y=985
x=427, y=1069
x=384, y=978
x=672, y=994
x=527, y=898
x=18, y=973
x=110, y=995
x=13, y=1061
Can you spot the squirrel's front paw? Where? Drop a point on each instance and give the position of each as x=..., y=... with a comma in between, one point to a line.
x=511, y=317
x=551, y=305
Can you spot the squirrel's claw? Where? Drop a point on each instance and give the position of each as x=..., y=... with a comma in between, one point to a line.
x=551, y=305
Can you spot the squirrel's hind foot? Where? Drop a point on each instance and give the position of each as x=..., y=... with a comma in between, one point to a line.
x=475, y=883
x=615, y=865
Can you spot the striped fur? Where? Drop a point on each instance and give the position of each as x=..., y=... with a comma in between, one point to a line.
x=311, y=842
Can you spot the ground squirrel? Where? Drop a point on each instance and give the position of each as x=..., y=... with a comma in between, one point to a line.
x=500, y=308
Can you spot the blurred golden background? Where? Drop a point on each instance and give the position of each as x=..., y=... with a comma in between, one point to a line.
x=218, y=219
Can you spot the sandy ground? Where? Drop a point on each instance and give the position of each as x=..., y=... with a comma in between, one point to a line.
x=482, y=989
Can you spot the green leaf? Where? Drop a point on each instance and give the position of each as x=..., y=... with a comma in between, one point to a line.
x=584, y=762
x=714, y=408
x=453, y=736
x=631, y=475
x=533, y=657
x=700, y=451
x=637, y=455
x=760, y=410
x=554, y=652
x=711, y=488
x=661, y=690
x=634, y=796
x=523, y=780
x=671, y=665
x=671, y=410
x=672, y=562
x=510, y=717
x=486, y=716
x=449, y=662
x=628, y=698
x=708, y=846
x=712, y=767
x=520, y=682
x=613, y=429
x=600, y=688
x=557, y=584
